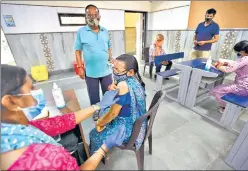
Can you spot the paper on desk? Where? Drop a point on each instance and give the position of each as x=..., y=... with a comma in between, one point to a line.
x=226, y=60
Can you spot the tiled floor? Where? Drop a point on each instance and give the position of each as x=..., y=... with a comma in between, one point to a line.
x=182, y=139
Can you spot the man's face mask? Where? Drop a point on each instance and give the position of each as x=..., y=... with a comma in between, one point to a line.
x=93, y=19
x=33, y=111
x=208, y=17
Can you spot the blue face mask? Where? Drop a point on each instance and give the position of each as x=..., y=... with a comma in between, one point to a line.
x=120, y=78
x=33, y=111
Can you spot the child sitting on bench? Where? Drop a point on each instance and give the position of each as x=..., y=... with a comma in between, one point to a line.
x=157, y=49
x=240, y=67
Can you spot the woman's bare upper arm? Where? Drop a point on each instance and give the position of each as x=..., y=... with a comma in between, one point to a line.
x=123, y=88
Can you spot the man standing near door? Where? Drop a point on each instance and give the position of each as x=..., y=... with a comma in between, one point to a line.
x=93, y=55
x=206, y=33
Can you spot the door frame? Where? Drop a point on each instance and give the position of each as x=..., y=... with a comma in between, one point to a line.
x=144, y=28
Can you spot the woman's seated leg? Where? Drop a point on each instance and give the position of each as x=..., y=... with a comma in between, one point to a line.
x=221, y=90
x=158, y=67
x=168, y=66
x=98, y=138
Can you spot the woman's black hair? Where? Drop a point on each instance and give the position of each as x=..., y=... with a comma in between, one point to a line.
x=241, y=46
x=131, y=63
x=12, y=79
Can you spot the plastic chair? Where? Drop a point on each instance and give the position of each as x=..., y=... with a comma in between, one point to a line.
x=150, y=116
x=146, y=58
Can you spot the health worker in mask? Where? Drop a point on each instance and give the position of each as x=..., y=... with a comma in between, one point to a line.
x=240, y=85
x=206, y=34
x=93, y=55
x=27, y=144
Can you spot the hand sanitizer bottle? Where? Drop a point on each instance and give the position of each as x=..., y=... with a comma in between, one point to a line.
x=208, y=64
x=58, y=96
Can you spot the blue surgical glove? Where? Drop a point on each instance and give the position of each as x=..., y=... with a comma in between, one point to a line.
x=117, y=138
x=108, y=99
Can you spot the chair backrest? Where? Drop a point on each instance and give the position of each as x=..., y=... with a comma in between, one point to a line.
x=146, y=54
x=150, y=116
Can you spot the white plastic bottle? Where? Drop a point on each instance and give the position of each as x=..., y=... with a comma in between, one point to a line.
x=208, y=64
x=58, y=96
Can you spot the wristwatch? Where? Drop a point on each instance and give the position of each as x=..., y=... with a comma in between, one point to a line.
x=96, y=107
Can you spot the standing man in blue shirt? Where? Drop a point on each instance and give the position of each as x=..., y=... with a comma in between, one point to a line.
x=206, y=33
x=93, y=55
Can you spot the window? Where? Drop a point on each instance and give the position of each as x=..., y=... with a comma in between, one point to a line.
x=71, y=19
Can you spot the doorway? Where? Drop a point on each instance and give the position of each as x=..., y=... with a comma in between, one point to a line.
x=135, y=33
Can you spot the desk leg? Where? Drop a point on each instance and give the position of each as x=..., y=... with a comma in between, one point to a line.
x=84, y=141
x=159, y=83
x=183, y=85
x=193, y=89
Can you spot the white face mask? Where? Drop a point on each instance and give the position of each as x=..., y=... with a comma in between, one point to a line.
x=93, y=22
x=33, y=111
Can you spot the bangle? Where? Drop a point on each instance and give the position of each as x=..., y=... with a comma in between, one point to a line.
x=103, y=150
x=100, y=153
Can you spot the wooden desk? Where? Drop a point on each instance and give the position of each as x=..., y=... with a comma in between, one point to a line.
x=72, y=105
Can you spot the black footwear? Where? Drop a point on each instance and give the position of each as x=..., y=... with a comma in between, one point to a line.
x=105, y=159
x=167, y=78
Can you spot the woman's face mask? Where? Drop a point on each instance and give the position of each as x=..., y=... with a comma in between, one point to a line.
x=120, y=77
x=119, y=71
x=33, y=111
x=239, y=55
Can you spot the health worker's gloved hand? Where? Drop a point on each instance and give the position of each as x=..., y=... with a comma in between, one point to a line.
x=108, y=99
